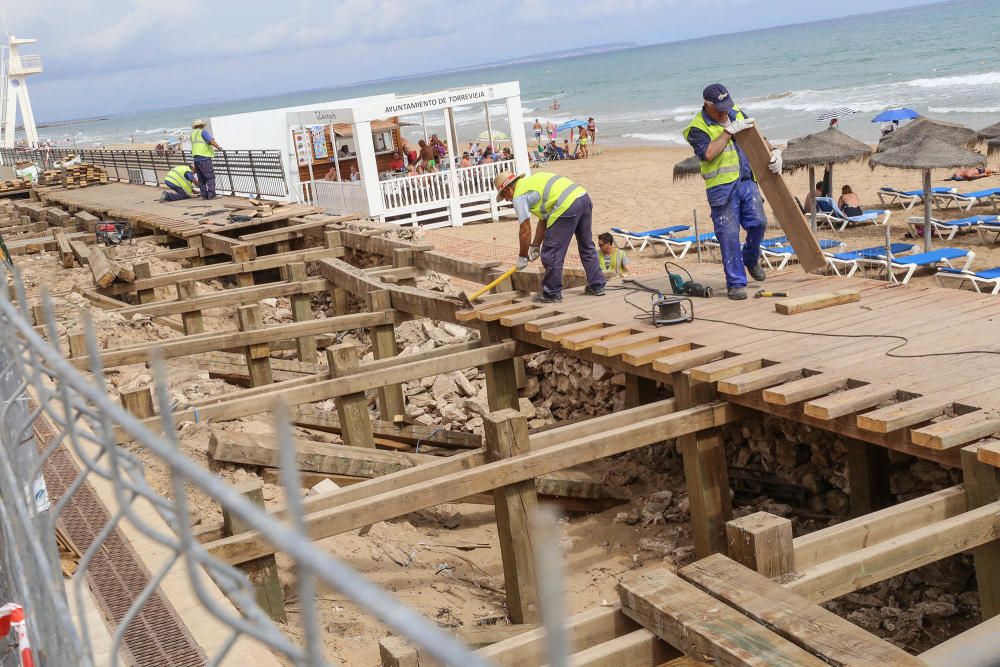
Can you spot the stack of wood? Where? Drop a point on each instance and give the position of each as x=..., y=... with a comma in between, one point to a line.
x=254, y=208
x=77, y=176
x=104, y=269
x=14, y=184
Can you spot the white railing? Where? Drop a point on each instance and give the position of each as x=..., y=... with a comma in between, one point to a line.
x=338, y=197
x=412, y=191
x=478, y=180
x=25, y=63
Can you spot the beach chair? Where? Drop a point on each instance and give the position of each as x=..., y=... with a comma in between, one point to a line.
x=678, y=246
x=927, y=260
x=907, y=198
x=827, y=212
x=966, y=200
x=645, y=238
x=782, y=253
x=948, y=229
x=847, y=263
x=984, y=282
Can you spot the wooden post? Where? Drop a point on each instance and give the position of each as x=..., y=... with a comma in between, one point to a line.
x=245, y=252
x=193, y=321
x=762, y=542
x=639, y=390
x=258, y=356
x=77, y=345
x=982, y=486
x=705, y=472
x=38, y=314
x=501, y=376
x=868, y=477
x=506, y=435
x=340, y=300
x=196, y=242
x=142, y=271
x=139, y=402
x=302, y=311
x=263, y=571
x=390, y=398
x=352, y=410
x=403, y=257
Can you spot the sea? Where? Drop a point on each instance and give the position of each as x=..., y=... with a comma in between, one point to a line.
x=939, y=60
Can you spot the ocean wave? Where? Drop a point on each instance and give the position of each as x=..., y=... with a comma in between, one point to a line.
x=964, y=109
x=981, y=79
x=658, y=137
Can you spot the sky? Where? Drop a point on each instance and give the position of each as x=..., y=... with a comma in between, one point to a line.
x=105, y=57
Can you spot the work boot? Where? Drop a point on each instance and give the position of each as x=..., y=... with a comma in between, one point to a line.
x=594, y=291
x=757, y=272
x=163, y=196
x=542, y=297
x=737, y=293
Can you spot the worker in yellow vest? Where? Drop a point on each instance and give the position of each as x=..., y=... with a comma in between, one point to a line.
x=203, y=147
x=730, y=185
x=182, y=181
x=564, y=211
x=613, y=260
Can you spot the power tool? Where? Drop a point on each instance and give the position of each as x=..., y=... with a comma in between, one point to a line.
x=115, y=232
x=688, y=287
x=671, y=310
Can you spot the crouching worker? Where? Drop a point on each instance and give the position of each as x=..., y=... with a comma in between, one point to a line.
x=182, y=181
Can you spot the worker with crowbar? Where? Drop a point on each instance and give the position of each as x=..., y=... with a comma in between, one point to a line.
x=564, y=211
x=730, y=185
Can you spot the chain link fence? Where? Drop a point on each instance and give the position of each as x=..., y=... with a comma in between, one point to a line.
x=58, y=426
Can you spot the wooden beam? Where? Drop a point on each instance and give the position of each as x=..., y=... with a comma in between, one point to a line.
x=640, y=648
x=99, y=267
x=958, y=430
x=65, y=252
x=352, y=409
x=258, y=355
x=144, y=270
x=762, y=542
x=506, y=437
x=807, y=625
x=775, y=190
x=302, y=312
x=193, y=320
x=697, y=624
x=400, y=501
x=244, y=254
x=263, y=571
x=390, y=398
x=855, y=570
x=804, y=389
x=804, y=304
x=868, y=471
x=410, y=434
x=982, y=486
x=877, y=527
x=849, y=401
x=139, y=402
x=226, y=298
x=501, y=376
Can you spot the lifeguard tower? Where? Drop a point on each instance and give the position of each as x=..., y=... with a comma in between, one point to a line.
x=16, y=69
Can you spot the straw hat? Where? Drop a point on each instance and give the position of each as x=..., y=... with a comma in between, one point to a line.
x=198, y=122
x=504, y=180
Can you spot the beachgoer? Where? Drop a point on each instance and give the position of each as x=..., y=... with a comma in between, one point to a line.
x=345, y=151
x=566, y=152
x=426, y=155
x=972, y=173
x=537, y=127
x=203, y=147
x=566, y=212
x=730, y=185
x=396, y=164
x=555, y=105
x=487, y=157
x=833, y=122
x=820, y=191
x=592, y=130
x=550, y=127
x=180, y=180
x=849, y=203
x=355, y=174
x=581, y=144
x=331, y=174
x=612, y=259
x=465, y=160
x=506, y=154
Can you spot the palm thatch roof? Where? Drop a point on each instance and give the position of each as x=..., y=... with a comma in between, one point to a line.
x=687, y=168
x=991, y=132
x=831, y=146
x=993, y=147
x=925, y=128
x=927, y=153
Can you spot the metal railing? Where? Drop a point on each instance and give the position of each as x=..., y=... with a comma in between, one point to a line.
x=38, y=387
x=253, y=173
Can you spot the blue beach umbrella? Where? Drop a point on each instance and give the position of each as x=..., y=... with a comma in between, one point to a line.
x=895, y=115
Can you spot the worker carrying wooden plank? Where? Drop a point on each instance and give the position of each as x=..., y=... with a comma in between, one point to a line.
x=730, y=185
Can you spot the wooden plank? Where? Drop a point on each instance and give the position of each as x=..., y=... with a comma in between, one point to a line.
x=849, y=401
x=903, y=414
x=194, y=322
x=552, y=321
x=506, y=437
x=804, y=389
x=352, y=409
x=643, y=355
x=390, y=397
x=525, y=316
x=724, y=368
x=585, y=339
x=682, y=361
x=868, y=470
x=786, y=210
x=803, y=623
x=989, y=453
x=99, y=267
x=640, y=648
x=855, y=570
x=616, y=346
x=258, y=355
x=697, y=624
x=226, y=298
x=982, y=486
x=804, y=304
x=555, y=333
x=957, y=431
x=65, y=251
x=496, y=312
x=759, y=379
x=400, y=501
x=410, y=434
x=302, y=312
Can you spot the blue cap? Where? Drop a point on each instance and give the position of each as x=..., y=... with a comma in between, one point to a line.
x=718, y=96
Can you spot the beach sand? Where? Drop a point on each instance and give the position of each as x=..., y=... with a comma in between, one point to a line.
x=633, y=187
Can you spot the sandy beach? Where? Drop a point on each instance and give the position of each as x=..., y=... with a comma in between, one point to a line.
x=633, y=187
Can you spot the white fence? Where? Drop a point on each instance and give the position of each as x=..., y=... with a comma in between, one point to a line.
x=339, y=197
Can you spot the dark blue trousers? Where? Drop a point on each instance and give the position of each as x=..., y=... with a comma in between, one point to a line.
x=177, y=194
x=206, y=176
x=575, y=222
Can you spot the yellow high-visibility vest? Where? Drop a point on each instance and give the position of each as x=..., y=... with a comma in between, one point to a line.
x=177, y=177
x=557, y=192
x=612, y=262
x=725, y=168
x=200, y=147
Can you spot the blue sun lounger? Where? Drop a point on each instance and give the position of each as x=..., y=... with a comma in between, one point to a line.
x=678, y=246
x=849, y=261
x=829, y=213
x=988, y=278
x=782, y=252
x=966, y=200
x=908, y=198
x=928, y=260
x=644, y=238
x=948, y=229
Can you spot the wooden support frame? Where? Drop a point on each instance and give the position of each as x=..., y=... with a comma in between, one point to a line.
x=868, y=476
x=263, y=571
x=258, y=355
x=193, y=320
x=390, y=398
x=982, y=486
x=763, y=543
x=352, y=409
x=501, y=376
x=305, y=346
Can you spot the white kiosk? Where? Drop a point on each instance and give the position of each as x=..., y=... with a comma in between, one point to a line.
x=315, y=137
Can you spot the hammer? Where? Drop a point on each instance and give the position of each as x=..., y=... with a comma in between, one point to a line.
x=761, y=293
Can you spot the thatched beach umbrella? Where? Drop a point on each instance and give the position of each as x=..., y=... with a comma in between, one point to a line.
x=987, y=133
x=925, y=128
x=829, y=147
x=926, y=153
x=687, y=168
x=993, y=147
